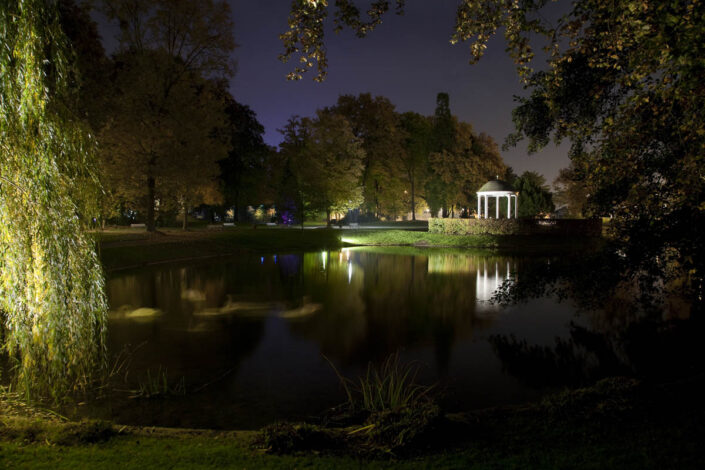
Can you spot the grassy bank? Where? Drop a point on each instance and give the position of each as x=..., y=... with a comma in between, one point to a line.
x=615, y=424
x=521, y=244
x=132, y=248
x=125, y=248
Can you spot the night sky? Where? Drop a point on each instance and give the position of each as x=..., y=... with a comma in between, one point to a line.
x=408, y=59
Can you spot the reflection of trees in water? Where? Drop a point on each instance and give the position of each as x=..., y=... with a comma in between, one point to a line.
x=195, y=347
x=648, y=349
x=638, y=329
x=377, y=304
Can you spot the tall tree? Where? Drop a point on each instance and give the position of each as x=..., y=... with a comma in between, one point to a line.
x=243, y=172
x=174, y=145
x=463, y=168
x=417, y=147
x=52, y=298
x=443, y=139
x=534, y=195
x=326, y=160
x=89, y=65
x=375, y=123
x=165, y=47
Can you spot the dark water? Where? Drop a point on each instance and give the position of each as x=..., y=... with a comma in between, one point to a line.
x=246, y=336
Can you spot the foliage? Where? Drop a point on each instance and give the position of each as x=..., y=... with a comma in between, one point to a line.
x=306, y=25
x=624, y=87
x=247, y=169
x=51, y=283
x=393, y=415
x=390, y=387
x=88, y=74
x=535, y=198
x=375, y=123
x=570, y=192
x=579, y=228
x=163, y=140
x=416, y=149
x=326, y=162
x=158, y=385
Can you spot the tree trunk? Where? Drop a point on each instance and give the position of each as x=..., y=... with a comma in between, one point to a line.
x=328, y=217
x=150, y=204
x=185, y=223
x=413, y=199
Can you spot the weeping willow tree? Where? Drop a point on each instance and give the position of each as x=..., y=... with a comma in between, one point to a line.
x=52, y=300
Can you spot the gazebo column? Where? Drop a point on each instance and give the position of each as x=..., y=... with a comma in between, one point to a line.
x=478, y=206
x=509, y=206
x=496, y=207
x=516, y=207
x=485, y=206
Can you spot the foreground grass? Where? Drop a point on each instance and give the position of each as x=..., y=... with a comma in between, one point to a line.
x=606, y=426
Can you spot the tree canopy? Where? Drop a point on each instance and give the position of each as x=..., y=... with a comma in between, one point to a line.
x=51, y=283
x=534, y=195
x=170, y=52
x=326, y=161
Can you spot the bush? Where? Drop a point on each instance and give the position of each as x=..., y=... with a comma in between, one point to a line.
x=287, y=438
x=563, y=227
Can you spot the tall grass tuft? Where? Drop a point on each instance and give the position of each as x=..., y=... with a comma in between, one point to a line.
x=390, y=387
x=158, y=385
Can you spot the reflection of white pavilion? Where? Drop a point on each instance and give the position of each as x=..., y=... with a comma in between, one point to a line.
x=497, y=189
x=489, y=272
x=491, y=275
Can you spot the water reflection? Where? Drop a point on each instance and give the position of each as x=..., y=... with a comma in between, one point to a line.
x=258, y=324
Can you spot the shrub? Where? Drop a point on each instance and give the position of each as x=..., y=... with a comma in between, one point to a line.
x=573, y=227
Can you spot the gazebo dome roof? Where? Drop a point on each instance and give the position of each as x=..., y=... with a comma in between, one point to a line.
x=496, y=185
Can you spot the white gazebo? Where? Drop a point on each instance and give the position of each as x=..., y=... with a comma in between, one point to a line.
x=497, y=189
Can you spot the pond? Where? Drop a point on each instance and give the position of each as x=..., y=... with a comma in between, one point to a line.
x=248, y=338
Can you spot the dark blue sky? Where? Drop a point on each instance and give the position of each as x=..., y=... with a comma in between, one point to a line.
x=408, y=59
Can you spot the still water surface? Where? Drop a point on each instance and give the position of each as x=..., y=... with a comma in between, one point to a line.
x=246, y=335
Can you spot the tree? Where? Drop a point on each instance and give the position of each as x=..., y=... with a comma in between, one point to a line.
x=570, y=192
x=88, y=74
x=166, y=47
x=465, y=167
x=441, y=168
x=374, y=122
x=244, y=170
x=326, y=161
x=174, y=145
x=52, y=298
x=461, y=162
x=534, y=195
x=417, y=147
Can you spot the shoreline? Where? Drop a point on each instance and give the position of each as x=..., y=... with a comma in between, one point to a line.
x=616, y=422
x=129, y=248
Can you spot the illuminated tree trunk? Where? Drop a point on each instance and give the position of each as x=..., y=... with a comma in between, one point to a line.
x=413, y=198
x=151, y=199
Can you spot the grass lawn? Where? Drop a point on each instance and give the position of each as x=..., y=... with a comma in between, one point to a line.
x=120, y=249
x=632, y=428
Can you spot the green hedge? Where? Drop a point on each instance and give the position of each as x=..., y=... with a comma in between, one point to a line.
x=573, y=227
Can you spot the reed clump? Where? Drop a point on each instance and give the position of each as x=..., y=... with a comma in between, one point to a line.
x=387, y=413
